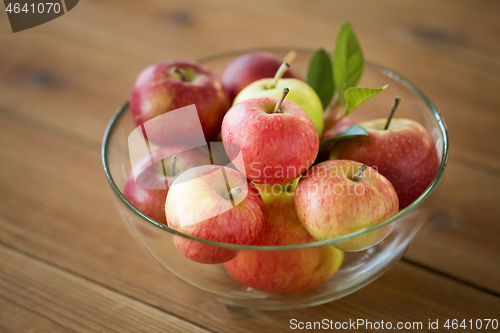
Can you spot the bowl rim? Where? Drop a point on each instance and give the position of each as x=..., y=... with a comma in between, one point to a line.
x=432, y=186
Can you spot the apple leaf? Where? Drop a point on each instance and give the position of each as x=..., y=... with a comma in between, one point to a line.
x=348, y=61
x=349, y=133
x=355, y=96
x=320, y=76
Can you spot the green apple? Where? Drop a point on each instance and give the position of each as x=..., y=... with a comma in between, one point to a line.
x=300, y=93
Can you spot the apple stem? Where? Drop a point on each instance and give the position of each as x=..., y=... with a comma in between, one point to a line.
x=178, y=72
x=290, y=56
x=279, y=73
x=173, y=159
x=277, y=109
x=395, y=105
x=357, y=175
x=233, y=191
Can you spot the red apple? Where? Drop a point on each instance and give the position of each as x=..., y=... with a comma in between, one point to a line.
x=199, y=204
x=149, y=201
x=148, y=191
x=277, y=139
x=284, y=271
x=170, y=85
x=337, y=197
x=404, y=153
x=251, y=67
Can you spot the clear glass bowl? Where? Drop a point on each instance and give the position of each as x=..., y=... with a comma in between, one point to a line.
x=358, y=268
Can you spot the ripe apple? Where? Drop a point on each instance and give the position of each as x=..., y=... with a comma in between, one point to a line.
x=148, y=191
x=300, y=93
x=277, y=140
x=149, y=201
x=251, y=67
x=404, y=153
x=199, y=204
x=170, y=85
x=338, y=197
x=284, y=271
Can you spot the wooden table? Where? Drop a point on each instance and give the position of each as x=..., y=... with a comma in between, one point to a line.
x=67, y=263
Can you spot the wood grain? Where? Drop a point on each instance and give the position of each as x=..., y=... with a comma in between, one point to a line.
x=67, y=262
x=58, y=301
x=459, y=239
x=68, y=219
x=38, y=297
x=467, y=203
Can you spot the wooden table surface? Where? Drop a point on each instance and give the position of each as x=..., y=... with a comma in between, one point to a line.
x=67, y=262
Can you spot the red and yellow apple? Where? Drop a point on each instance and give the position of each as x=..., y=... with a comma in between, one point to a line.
x=277, y=140
x=170, y=85
x=199, y=204
x=336, y=198
x=404, y=153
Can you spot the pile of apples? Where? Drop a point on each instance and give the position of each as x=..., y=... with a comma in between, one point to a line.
x=270, y=188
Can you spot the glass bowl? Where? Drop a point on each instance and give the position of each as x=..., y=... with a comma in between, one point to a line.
x=357, y=268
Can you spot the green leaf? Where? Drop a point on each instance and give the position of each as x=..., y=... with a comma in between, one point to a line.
x=349, y=133
x=320, y=76
x=348, y=61
x=355, y=96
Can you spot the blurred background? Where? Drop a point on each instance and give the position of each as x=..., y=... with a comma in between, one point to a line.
x=66, y=259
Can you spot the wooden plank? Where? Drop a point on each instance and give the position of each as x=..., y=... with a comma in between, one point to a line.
x=59, y=301
x=17, y=318
x=469, y=198
x=456, y=240
x=52, y=195
x=404, y=294
x=465, y=27
x=66, y=90
x=54, y=205
x=70, y=92
x=35, y=296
